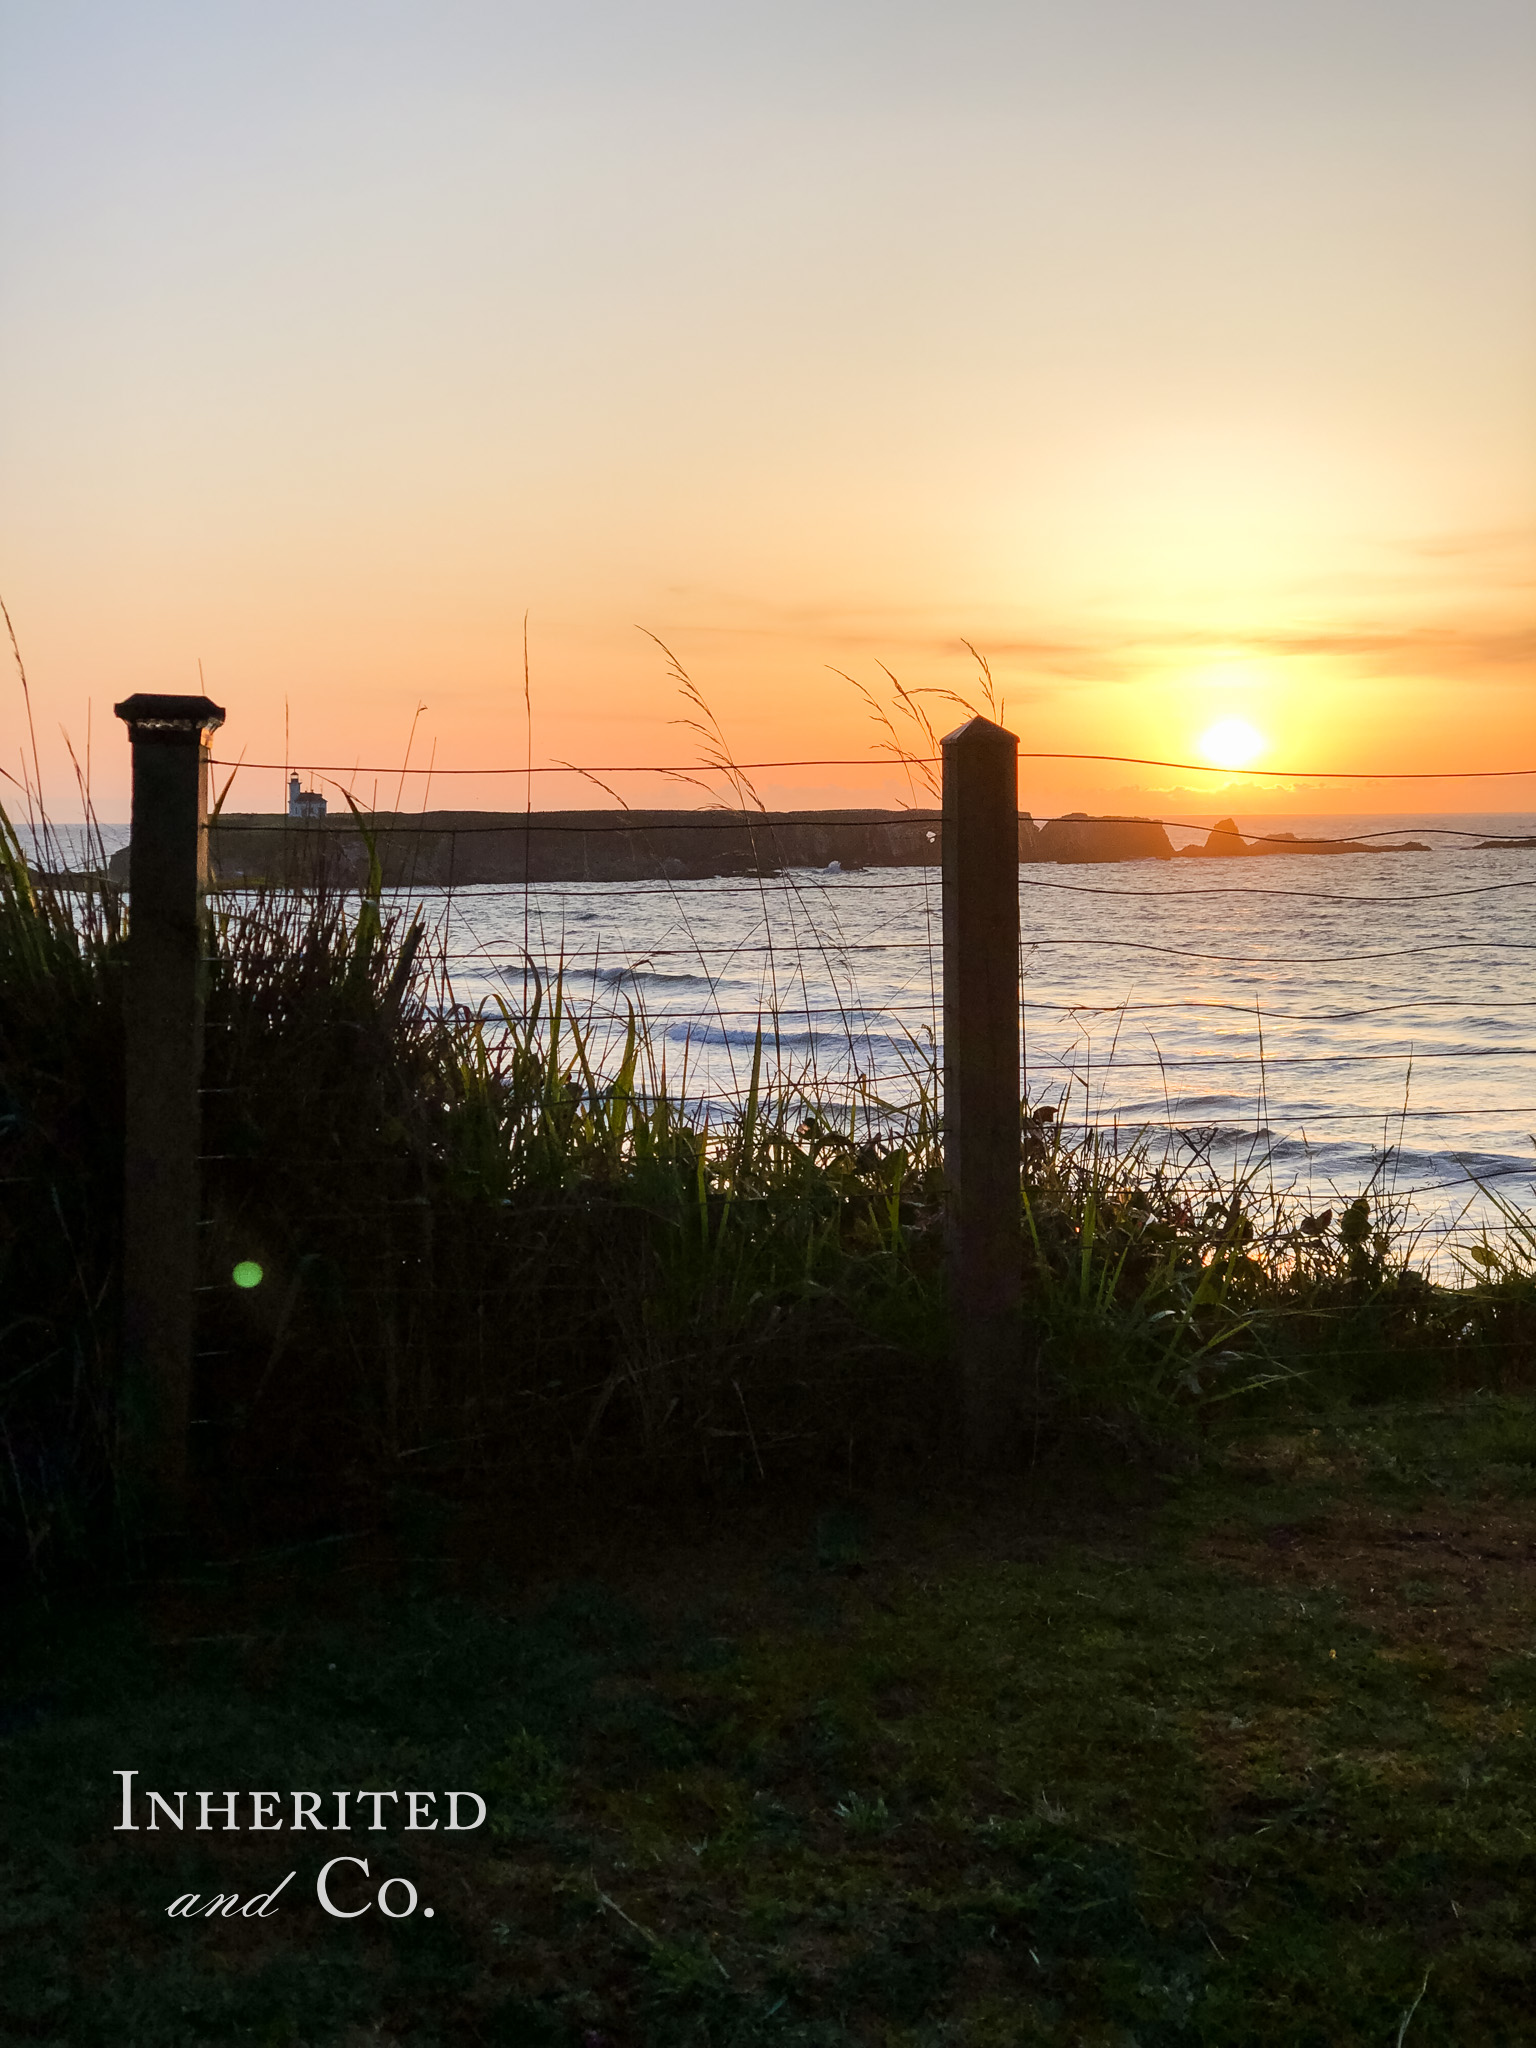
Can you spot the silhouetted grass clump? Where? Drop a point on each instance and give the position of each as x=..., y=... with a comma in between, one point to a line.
x=504, y=1251
x=484, y=1256
x=61, y=1086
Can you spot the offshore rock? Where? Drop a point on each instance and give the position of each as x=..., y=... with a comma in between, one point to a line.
x=1224, y=842
x=1078, y=837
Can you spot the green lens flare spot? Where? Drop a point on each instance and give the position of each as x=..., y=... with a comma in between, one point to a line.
x=247, y=1274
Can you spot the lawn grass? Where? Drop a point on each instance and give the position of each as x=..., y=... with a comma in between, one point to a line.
x=1238, y=1755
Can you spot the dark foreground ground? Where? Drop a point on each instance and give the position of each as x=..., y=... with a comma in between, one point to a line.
x=1244, y=1757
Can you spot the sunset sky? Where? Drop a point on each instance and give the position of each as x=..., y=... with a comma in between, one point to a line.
x=1182, y=356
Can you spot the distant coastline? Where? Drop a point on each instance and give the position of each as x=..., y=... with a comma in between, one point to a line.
x=447, y=849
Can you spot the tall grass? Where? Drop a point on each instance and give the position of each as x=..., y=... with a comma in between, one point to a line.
x=513, y=1259
x=61, y=1084
x=502, y=1251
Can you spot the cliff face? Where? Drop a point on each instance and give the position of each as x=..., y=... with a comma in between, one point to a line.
x=1078, y=837
x=452, y=849
x=462, y=849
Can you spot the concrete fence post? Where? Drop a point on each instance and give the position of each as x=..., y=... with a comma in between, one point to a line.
x=984, y=1230
x=167, y=876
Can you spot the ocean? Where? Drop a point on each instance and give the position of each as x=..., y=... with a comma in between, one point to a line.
x=1365, y=1021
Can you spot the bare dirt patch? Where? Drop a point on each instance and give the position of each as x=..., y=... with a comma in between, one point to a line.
x=1453, y=1578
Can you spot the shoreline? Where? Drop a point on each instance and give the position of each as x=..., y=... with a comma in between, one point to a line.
x=447, y=849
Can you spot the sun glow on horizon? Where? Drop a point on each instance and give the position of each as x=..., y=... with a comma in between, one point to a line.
x=1232, y=743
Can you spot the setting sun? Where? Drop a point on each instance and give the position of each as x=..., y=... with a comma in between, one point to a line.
x=1232, y=743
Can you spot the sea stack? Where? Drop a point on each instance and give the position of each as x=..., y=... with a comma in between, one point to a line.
x=1225, y=840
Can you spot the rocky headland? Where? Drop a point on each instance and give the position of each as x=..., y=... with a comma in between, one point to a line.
x=466, y=849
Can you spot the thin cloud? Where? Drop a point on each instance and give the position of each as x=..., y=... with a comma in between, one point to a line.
x=1492, y=540
x=1493, y=651
x=1446, y=649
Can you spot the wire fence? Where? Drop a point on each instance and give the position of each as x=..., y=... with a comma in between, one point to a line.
x=1305, y=1019
x=1343, y=1019
x=1360, y=1025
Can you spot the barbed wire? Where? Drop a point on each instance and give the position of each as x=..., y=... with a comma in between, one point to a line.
x=1288, y=959
x=1029, y=881
x=852, y=885
x=888, y=761
x=519, y=824
x=1135, y=945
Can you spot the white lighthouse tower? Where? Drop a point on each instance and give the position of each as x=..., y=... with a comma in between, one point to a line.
x=304, y=803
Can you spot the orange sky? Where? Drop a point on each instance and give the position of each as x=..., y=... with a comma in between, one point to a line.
x=1182, y=359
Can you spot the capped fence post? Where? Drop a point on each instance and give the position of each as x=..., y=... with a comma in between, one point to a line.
x=167, y=876
x=983, y=1229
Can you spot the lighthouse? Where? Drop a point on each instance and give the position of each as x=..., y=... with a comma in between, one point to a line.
x=304, y=803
